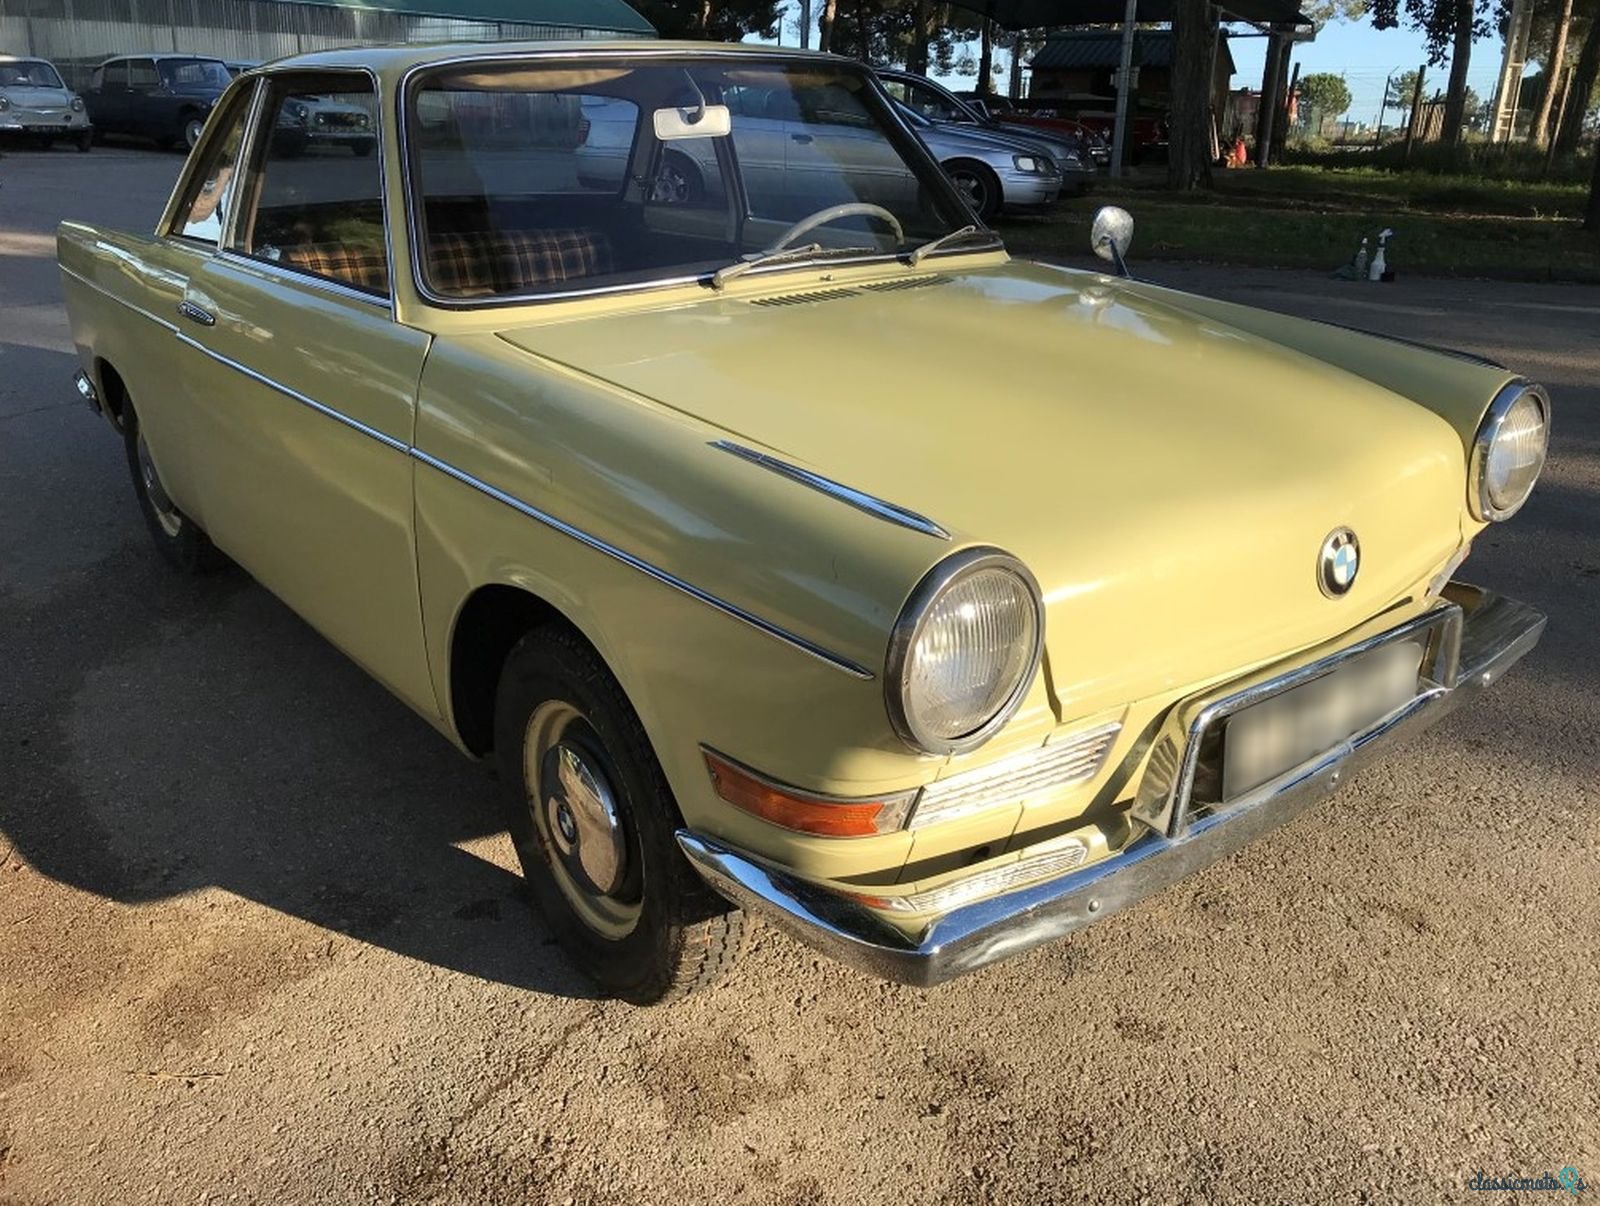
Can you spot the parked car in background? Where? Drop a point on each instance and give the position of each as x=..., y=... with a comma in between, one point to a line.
x=992, y=171
x=791, y=546
x=163, y=97
x=938, y=104
x=1090, y=115
x=325, y=123
x=37, y=104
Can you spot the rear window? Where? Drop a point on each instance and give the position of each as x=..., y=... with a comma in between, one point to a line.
x=194, y=73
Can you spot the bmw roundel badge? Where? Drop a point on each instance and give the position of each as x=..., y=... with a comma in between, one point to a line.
x=1338, y=562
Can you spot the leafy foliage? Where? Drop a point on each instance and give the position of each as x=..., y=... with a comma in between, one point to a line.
x=714, y=20
x=1436, y=20
x=1324, y=93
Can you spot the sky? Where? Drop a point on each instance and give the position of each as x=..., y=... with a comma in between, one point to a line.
x=1362, y=55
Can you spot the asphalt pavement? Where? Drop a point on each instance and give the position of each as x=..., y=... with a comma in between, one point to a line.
x=260, y=939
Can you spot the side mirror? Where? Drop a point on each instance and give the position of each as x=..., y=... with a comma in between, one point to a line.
x=1111, y=235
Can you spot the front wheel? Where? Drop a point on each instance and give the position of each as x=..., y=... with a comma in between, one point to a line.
x=85, y=141
x=593, y=821
x=177, y=536
x=978, y=185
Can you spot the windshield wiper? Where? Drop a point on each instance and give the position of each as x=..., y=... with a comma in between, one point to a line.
x=922, y=250
x=810, y=251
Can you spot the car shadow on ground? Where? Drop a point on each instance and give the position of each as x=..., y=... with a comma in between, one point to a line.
x=161, y=734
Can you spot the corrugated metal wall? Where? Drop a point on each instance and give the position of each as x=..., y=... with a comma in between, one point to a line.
x=79, y=34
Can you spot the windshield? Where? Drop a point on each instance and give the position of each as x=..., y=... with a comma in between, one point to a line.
x=29, y=73
x=194, y=73
x=539, y=178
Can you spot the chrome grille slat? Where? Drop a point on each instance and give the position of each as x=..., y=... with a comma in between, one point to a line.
x=1065, y=761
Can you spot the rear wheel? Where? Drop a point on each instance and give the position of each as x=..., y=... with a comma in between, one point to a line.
x=193, y=126
x=678, y=182
x=177, y=536
x=978, y=185
x=593, y=821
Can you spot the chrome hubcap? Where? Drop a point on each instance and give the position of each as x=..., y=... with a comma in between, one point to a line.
x=671, y=188
x=583, y=818
x=579, y=818
x=166, y=514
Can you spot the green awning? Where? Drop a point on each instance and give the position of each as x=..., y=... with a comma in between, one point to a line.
x=615, y=15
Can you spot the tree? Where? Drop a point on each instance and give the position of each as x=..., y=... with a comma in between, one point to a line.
x=1554, y=63
x=1592, y=221
x=1194, y=31
x=717, y=20
x=1448, y=27
x=1582, y=94
x=1325, y=94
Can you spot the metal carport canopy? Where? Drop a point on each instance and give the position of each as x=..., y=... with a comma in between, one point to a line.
x=1042, y=14
x=612, y=15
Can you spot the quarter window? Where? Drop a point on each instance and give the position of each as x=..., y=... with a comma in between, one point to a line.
x=204, y=209
x=316, y=204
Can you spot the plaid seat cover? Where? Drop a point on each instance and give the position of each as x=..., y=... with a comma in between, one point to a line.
x=514, y=261
x=363, y=267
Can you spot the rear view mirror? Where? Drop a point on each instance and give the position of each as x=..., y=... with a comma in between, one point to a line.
x=693, y=121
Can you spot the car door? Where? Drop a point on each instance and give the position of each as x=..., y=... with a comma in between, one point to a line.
x=301, y=390
x=145, y=101
x=107, y=98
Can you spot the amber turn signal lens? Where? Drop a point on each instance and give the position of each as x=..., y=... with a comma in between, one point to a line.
x=806, y=814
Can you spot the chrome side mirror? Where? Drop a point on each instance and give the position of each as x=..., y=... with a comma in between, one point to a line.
x=1112, y=235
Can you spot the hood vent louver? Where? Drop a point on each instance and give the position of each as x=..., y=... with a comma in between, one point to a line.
x=842, y=291
x=801, y=299
x=907, y=282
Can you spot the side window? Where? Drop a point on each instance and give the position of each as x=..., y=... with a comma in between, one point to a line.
x=315, y=201
x=931, y=105
x=203, y=211
x=142, y=75
x=117, y=75
x=97, y=79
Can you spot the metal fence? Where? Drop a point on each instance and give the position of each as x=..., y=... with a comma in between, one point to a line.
x=77, y=35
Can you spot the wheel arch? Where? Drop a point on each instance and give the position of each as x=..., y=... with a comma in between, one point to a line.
x=982, y=169
x=113, y=391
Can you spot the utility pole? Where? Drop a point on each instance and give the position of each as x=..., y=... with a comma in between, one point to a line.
x=1383, y=108
x=1119, y=133
x=1416, y=113
x=805, y=24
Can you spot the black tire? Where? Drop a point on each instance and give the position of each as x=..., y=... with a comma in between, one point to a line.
x=85, y=141
x=655, y=932
x=190, y=126
x=978, y=184
x=177, y=536
x=678, y=181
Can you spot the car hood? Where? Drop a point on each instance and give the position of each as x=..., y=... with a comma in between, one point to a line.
x=986, y=140
x=1168, y=477
x=38, y=98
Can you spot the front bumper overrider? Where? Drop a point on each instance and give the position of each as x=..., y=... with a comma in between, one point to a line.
x=1471, y=636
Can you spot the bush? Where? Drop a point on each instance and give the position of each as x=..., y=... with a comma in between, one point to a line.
x=1476, y=157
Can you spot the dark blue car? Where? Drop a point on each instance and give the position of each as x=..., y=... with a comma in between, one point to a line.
x=163, y=97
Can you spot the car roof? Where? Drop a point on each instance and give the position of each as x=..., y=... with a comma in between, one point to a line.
x=397, y=58
x=6, y=57
x=162, y=54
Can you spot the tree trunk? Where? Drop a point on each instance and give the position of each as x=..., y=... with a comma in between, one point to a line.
x=1592, y=221
x=917, y=56
x=703, y=21
x=1552, y=73
x=1582, y=90
x=863, y=32
x=1267, y=105
x=1455, y=97
x=1014, y=91
x=1189, y=133
x=986, y=59
x=830, y=11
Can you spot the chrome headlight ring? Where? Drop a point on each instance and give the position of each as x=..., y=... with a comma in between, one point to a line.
x=908, y=714
x=1500, y=422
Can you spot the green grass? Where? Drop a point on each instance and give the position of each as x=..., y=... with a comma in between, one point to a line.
x=1310, y=217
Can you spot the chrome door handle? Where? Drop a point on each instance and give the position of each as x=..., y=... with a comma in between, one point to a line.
x=194, y=313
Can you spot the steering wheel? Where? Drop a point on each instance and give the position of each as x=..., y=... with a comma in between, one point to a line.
x=823, y=216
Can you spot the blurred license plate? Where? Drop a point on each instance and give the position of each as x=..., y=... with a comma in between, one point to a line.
x=1269, y=738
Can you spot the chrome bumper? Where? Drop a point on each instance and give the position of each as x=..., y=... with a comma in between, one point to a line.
x=1474, y=637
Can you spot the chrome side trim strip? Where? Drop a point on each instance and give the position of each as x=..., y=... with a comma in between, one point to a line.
x=644, y=567
x=338, y=416
x=858, y=499
x=101, y=289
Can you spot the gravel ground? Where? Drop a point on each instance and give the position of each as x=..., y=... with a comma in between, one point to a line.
x=260, y=939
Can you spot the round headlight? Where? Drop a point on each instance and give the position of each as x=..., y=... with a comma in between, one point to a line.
x=1508, y=454
x=77, y=104
x=964, y=651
